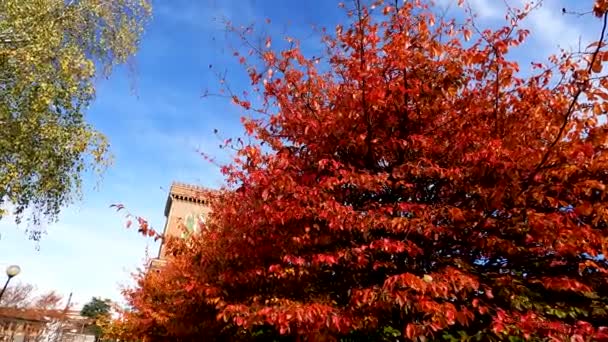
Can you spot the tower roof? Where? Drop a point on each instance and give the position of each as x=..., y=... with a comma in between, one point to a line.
x=186, y=192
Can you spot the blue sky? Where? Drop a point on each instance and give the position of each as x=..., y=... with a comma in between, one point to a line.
x=157, y=120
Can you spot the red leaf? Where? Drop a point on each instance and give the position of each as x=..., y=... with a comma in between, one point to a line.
x=584, y=209
x=410, y=331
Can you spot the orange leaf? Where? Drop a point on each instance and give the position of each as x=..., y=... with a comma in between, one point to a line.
x=584, y=209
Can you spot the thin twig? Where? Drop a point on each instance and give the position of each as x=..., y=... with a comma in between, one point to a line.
x=570, y=109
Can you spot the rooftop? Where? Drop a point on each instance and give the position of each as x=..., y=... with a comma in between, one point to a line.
x=186, y=192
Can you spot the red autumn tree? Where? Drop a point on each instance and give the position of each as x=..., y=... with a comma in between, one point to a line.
x=419, y=188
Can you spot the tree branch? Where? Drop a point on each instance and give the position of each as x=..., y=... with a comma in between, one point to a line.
x=571, y=106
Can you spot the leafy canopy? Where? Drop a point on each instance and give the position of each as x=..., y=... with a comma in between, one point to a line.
x=96, y=308
x=419, y=188
x=49, y=53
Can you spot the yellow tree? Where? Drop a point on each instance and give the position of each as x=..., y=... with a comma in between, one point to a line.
x=50, y=52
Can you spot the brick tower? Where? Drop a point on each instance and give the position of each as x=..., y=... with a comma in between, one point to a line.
x=186, y=204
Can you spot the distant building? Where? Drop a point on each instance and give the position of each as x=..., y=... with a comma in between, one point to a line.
x=30, y=324
x=186, y=205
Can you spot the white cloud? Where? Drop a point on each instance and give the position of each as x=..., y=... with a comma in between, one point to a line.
x=550, y=28
x=553, y=29
x=487, y=9
x=484, y=9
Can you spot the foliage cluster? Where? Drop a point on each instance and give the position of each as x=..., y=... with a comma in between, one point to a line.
x=421, y=187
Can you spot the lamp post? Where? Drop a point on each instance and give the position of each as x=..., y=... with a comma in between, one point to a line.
x=11, y=271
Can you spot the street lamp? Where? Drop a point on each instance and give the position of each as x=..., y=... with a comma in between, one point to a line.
x=11, y=271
